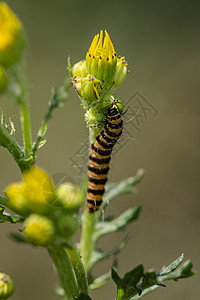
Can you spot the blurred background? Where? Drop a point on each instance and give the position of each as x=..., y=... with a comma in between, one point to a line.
x=160, y=40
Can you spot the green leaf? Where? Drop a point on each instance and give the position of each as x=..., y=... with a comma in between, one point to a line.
x=99, y=256
x=172, y=267
x=126, y=186
x=103, y=228
x=127, y=286
x=174, y=271
x=6, y=217
x=100, y=281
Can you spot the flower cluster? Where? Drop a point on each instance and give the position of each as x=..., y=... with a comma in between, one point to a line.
x=95, y=77
x=12, y=41
x=50, y=212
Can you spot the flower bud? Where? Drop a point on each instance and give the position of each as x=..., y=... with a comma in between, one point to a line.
x=79, y=69
x=70, y=196
x=89, y=88
x=93, y=117
x=120, y=73
x=101, y=58
x=3, y=80
x=111, y=100
x=12, y=40
x=6, y=286
x=38, y=230
x=68, y=225
x=15, y=197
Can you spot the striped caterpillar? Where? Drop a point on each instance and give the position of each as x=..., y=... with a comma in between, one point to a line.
x=100, y=157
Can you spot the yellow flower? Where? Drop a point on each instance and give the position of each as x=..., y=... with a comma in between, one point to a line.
x=38, y=230
x=37, y=186
x=12, y=39
x=6, y=286
x=101, y=58
x=32, y=194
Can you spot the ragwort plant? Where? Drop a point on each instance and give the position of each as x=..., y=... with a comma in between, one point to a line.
x=50, y=216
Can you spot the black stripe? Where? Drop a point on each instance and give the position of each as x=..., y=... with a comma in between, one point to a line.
x=112, y=134
x=101, y=152
x=100, y=161
x=95, y=202
x=98, y=171
x=91, y=209
x=115, y=126
x=95, y=191
x=103, y=144
x=98, y=180
x=108, y=139
x=112, y=112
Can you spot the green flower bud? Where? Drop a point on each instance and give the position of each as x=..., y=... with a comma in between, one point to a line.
x=79, y=69
x=6, y=286
x=3, y=80
x=38, y=230
x=111, y=100
x=94, y=117
x=120, y=73
x=70, y=196
x=12, y=40
x=89, y=88
x=68, y=225
x=101, y=58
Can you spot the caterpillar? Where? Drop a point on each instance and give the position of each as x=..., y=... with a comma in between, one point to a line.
x=100, y=157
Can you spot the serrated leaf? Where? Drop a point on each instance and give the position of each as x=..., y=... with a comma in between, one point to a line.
x=103, y=228
x=6, y=217
x=100, y=281
x=172, y=267
x=126, y=287
x=174, y=271
x=124, y=187
x=99, y=256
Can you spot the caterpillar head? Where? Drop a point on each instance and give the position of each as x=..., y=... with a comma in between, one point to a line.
x=110, y=100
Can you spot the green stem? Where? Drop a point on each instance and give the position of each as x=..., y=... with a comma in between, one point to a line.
x=8, y=141
x=78, y=268
x=65, y=272
x=88, y=242
x=26, y=127
x=87, y=245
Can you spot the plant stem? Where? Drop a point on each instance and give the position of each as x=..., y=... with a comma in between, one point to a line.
x=88, y=242
x=87, y=245
x=65, y=272
x=26, y=128
x=8, y=141
x=78, y=268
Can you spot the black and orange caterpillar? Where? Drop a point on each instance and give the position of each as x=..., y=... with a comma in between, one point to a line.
x=100, y=157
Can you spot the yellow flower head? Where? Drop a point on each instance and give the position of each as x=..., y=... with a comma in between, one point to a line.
x=101, y=58
x=38, y=230
x=33, y=193
x=37, y=186
x=12, y=39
